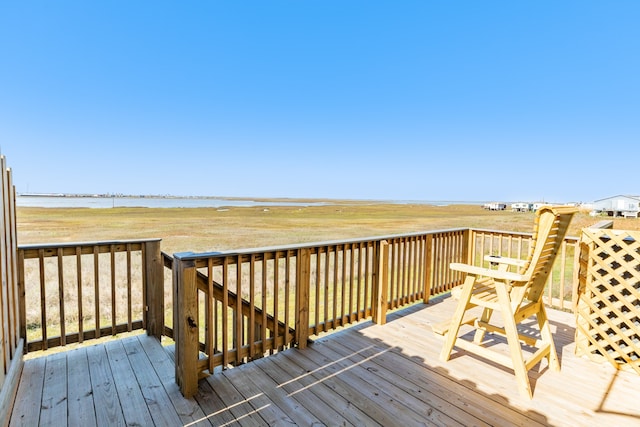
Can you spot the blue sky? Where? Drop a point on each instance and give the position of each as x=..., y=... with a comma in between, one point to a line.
x=402, y=100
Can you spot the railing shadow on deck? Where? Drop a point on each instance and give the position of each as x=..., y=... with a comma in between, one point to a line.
x=433, y=392
x=354, y=378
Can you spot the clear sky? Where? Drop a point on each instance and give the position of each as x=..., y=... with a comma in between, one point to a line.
x=403, y=100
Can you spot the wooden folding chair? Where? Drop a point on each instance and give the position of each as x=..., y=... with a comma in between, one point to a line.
x=517, y=295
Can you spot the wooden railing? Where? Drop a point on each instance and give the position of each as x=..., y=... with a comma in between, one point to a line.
x=229, y=308
x=11, y=345
x=291, y=292
x=80, y=291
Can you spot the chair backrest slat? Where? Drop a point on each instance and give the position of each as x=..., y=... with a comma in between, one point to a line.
x=550, y=227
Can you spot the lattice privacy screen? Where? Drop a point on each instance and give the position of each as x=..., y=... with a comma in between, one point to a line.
x=608, y=309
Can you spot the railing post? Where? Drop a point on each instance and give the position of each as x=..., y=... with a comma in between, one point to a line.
x=381, y=284
x=185, y=323
x=467, y=246
x=428, y=268
x=154, y=288
x=303, y=279
x=22, y=299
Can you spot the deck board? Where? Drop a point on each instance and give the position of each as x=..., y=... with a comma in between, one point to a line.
x=187, y=410
x=28, y=403
x=364, y=375
x=81, y=409
x=105, y=397
x=134, y=406
x=150, y=385
x=54, y=391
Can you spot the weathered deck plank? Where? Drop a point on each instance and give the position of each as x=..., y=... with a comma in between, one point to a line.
x=150, y=385
x=108, y=411
x=81, y=409
x=232, y=401
x=365, y=375
x=326, y=413
x=134, y=407
x=54, y=391
x=26, y=410
x=187, y=410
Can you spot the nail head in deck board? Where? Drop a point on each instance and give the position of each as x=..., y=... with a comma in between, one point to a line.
x=80, y=401
x=154, y=394
x=108, y=411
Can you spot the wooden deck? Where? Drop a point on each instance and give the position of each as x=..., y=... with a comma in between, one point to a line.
x=365, y=375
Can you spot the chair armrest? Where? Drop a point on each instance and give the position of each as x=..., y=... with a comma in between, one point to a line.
x=487, y=272
x=505, y=260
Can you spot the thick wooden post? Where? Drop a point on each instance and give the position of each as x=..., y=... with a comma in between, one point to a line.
x=467, y=247
x=154, y=287
x=428, y=268
x=381, y=284
x=303, y=279
x=185, y=326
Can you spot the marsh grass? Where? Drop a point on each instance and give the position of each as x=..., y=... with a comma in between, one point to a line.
x=81, y=294
x=211, y=229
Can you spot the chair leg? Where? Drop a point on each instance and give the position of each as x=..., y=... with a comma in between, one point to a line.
x=486, y=316
x=515, y=349
x=547, y=337
x=452, y=334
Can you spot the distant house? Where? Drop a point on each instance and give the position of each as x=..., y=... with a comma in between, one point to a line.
x=521, y=207
x=495, y=206
x=618, y=206
x=535, y=206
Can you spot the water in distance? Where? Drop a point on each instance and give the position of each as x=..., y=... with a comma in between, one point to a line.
x=147, y=202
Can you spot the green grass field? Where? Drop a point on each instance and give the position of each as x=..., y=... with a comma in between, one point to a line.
x=209, y=229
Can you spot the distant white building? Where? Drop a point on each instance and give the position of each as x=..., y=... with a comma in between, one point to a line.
x=495, y=206
x=521, y=207
x=626, y=206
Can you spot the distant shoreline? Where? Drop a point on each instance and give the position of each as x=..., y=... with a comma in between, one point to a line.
x=169, y=201
x=247, y=198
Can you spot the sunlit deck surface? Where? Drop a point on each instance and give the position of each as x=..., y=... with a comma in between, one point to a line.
x=365, y=375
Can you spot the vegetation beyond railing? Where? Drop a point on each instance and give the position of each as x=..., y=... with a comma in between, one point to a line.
x=80, y=291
